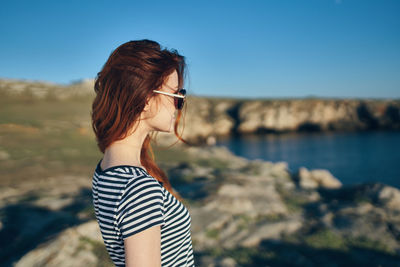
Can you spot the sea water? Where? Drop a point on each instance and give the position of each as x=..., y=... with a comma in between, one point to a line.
x=352, y=157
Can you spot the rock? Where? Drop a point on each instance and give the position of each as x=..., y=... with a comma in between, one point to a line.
x=228, y=262
x=235, y=199
x=272, y=230
x=305, y=179
x=316, y=114
x=390, y=197
x=325, y=179
x=365, y=221
x=211, y=140
x=72, y=247
x=244, y=197
x=317, y=178
x=223, y=122
x=219, y=153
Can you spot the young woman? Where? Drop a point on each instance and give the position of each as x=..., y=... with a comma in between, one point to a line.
x=142, y=219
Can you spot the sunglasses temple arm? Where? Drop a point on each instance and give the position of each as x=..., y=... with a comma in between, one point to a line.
x=165, y=93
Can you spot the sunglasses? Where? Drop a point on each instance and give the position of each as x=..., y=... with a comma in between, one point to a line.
x=179, y=98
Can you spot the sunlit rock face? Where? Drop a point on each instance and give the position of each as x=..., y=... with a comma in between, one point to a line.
x=224, y=117
x=317, y=178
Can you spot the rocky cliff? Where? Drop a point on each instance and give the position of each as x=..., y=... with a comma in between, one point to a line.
x=210, y=118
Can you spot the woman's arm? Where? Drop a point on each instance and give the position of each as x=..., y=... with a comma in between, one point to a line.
x=144, y=248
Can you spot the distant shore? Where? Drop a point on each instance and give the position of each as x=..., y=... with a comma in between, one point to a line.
x=211, y=118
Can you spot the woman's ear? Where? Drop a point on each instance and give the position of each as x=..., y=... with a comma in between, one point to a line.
x=146, y=110
x=147, y=104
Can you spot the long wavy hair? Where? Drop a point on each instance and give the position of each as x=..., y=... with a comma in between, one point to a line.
x=127, y=79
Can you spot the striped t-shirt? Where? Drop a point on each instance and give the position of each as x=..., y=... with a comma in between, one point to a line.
x=127, y=200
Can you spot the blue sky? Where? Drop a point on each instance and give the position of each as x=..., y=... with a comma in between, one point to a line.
x=268, y=49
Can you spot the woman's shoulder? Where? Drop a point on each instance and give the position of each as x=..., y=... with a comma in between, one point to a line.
x=130, y=179
x=142, y=191
x=142, y=183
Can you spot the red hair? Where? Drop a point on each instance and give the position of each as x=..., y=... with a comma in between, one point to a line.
x=126, y=80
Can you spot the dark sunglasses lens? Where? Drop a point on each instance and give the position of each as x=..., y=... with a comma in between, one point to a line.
x=182, y=92
x=180, y=101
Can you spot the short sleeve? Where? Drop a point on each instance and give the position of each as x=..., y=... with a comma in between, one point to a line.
x=141, y=206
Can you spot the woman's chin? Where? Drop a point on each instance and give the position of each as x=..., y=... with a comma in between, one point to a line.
x=169, y=130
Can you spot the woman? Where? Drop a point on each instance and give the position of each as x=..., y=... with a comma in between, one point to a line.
x=141, y=218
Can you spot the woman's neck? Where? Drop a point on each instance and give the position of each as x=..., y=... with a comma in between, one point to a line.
x=126, y=151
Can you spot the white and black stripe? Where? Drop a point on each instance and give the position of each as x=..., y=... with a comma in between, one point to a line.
x=127, y=200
